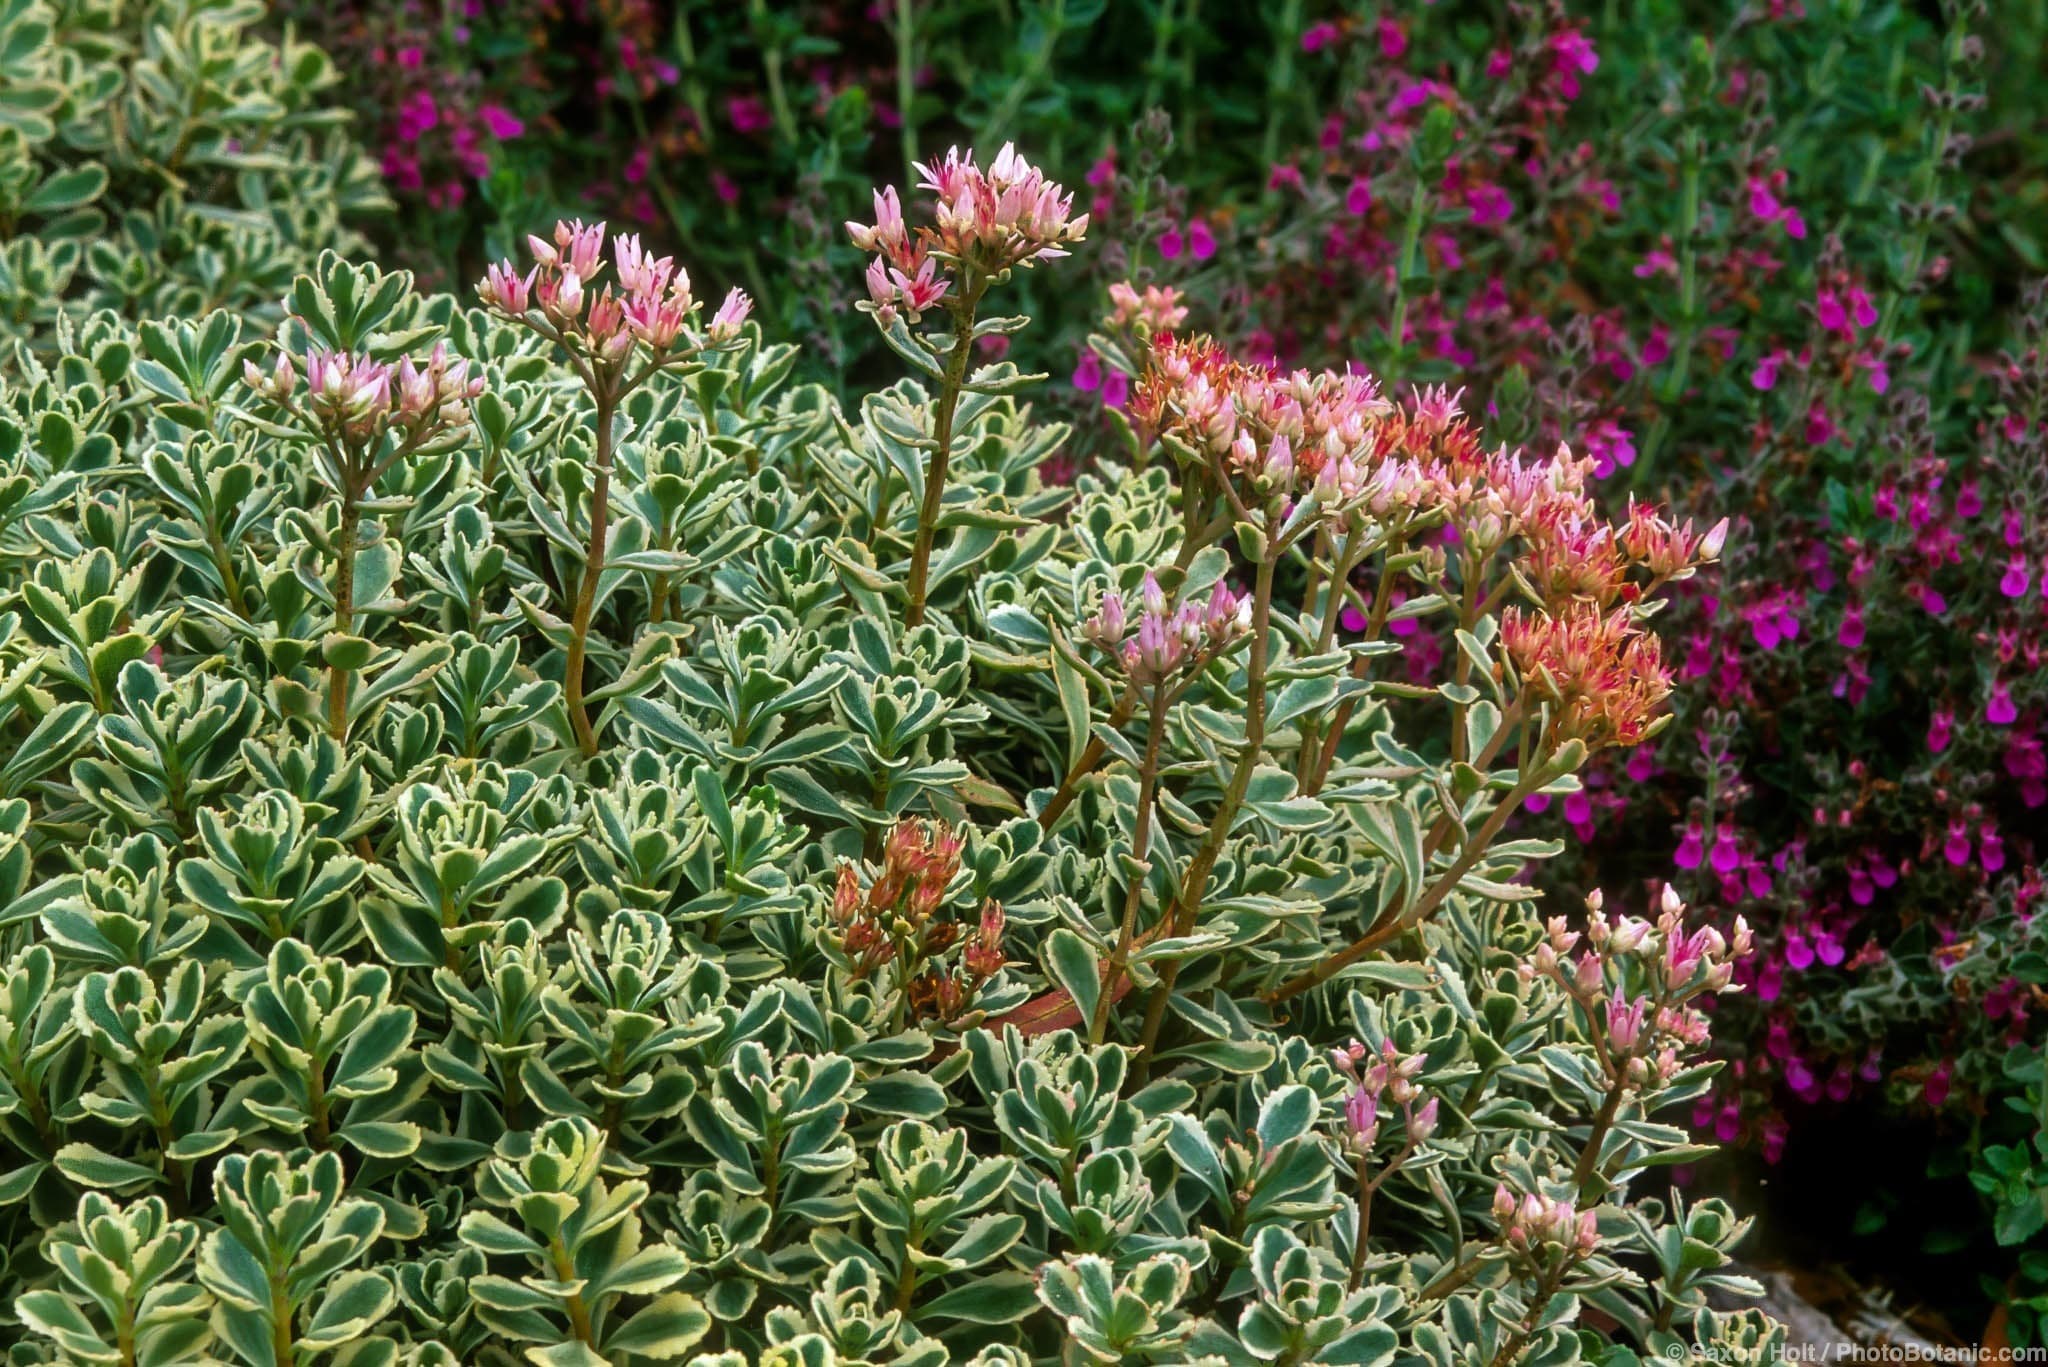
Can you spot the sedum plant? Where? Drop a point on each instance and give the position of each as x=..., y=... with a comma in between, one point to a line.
x=163, y=159
x=527, y=838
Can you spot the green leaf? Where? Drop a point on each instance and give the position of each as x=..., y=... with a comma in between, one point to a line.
x=664, y=1330
x=913, y=1095
x=92, y=1167
x=1286, y=1115
x=67, y=189
x=1002, y=1298
x=1071, y=962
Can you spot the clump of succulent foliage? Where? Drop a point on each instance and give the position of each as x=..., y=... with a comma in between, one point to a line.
x=159, y=158
x=524, y=837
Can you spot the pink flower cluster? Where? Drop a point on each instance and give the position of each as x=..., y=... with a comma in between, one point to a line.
x=1167, y=639
x=358, y=399
x=647, y=303
x=1635, y=983
x=1385, y=1075
x=986, y=222
x=1542, y=1226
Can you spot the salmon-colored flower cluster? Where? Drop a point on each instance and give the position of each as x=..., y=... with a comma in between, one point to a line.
x=985, y=221
x=1282, y=435
x=647, y=303
x=896, y=919
x=1602, y=674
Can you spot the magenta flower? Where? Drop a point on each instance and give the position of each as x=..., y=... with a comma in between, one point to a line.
x=1828, y=311
x=1087, y=375
x=1765, y=376
x=1990, y=848
x=748, y=114
x=1956, y=849
x=1999, y=709
x=1936, y=1088
x=1939, y=729
x=1318, y=36
x=2017, y=580
x=1725, y=858
x=500, y=122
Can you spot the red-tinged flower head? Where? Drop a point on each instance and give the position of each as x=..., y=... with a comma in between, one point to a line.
x=1603, y=676
x=846, y=897
x=983, y=956
x=1669, y=551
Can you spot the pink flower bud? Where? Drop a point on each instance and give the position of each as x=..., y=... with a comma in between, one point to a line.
x=1422, y=1121
x=725, y=324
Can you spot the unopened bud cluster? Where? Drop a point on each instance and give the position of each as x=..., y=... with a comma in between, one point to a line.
x=1541, y=1227
x=986, y=221
x=1635, y=982
x=357, y=399
x=1384, y=1075
x=647, y=303
x=1164, y=639
x=896, y=919
x=1158, y=309
x=1282, y=435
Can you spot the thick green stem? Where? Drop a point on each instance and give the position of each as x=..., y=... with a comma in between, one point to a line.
x=593, y=566
x=1411, y=235
x=1141, y=844
x=281, y=1314
x=1092, y=753
x=579, y=1313
x=771, y=65
x=1280, y=91
x=1383, y=602
x=1520, y=1338
x=1340, y=571
x=942, y=454
x=344, y=611
x=906, y=87
x=1589, y=1157
x=1187, y=907
x=1365, y=1190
